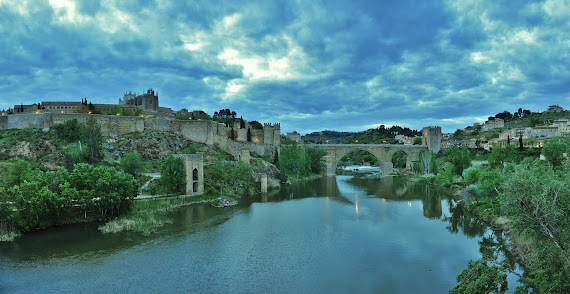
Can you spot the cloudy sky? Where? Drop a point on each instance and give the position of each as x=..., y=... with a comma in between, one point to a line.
x=311, y=65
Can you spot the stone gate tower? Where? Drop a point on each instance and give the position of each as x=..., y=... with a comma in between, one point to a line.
x=431, y=137
x=194, y=166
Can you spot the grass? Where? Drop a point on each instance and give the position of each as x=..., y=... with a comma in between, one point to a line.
x=145, y=222
x=148, y=215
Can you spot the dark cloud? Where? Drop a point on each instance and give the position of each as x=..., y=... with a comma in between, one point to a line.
x=344, y=65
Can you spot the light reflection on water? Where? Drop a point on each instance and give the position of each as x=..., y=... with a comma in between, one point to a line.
x=334, y=235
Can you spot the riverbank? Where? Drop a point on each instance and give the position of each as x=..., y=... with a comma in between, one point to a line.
x=149, y=214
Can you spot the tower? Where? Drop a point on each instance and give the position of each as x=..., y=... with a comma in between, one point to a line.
x=431, y=137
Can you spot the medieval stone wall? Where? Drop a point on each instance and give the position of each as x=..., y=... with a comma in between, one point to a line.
x=202, y=131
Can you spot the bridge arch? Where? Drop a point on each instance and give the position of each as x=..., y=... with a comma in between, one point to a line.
x=382, y=152
x=377, y=155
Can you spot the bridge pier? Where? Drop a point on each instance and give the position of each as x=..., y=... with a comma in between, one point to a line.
x=387, y=167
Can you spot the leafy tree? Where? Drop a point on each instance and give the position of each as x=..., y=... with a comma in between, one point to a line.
x=293, y=160
x=316, y=159
x=19, y=173
x=445, y=178
x=230, y=179
x=93, y=139
x=489, y=183
x=418, y=141
x=472, y=176
x=173, y=175
x=69, y=131
x=255, y=125
x=460, y=158
x=501, y=155
x=480, y=278
x=131, y=162
x=248, y=134
x=116, y=110
x=428, y=163
x=555, y=150
x=536, y=198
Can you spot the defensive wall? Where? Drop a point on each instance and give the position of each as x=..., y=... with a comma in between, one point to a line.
x=203, y=131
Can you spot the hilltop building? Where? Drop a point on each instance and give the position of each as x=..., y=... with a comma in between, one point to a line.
x=147, y=101
x=555, y=108
x=493, y=124
x=294, y=136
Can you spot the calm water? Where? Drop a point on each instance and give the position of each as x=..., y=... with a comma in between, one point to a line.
x=349, y=234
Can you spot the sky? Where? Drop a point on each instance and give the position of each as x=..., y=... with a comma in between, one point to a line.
x=310, y=65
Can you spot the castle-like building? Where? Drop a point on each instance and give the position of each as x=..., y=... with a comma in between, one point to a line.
x=147, y=101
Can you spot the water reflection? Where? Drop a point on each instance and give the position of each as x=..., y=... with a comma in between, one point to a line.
x=402, y=189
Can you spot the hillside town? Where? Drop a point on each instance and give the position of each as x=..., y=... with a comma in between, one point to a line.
x=532, y=129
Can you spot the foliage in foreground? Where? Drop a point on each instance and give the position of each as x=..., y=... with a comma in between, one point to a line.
x=534, y=196
x=480, y=278
x=55, y=198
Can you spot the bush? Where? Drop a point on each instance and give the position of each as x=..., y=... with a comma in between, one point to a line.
x=131, y=162
x=173, y=175
x=472, y=175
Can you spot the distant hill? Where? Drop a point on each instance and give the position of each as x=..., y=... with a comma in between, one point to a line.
x=333, y=137
x=382, y=135
x=371, y=136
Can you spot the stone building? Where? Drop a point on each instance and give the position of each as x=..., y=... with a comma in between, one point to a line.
x=295, y=136
x=147, y=101
x=555, y=108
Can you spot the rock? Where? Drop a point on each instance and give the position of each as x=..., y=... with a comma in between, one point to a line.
x=224, y=202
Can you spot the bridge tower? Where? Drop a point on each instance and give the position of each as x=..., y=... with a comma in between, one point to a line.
x=431, y=137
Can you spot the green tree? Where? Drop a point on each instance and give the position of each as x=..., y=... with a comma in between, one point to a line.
x=69, y=131
x=229, y=179
x=536, y=198
x=472, y=175
x=418, y=141
x=248, y=134
x=480, y=278
x=556, y=149
x=93, y=139
x=489, y=184
x=131, y=162
x=501, y=155
x=116, y=110
x=293, y=160
x=173, y=175
x=316, y=159
x=460, y=158
x=19, y=173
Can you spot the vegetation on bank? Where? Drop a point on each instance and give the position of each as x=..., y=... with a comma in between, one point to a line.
x=44, y=199
x=523, y=194
x=146, y=216
x=299, y=161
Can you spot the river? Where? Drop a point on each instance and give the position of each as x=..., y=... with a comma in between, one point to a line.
x=345, y=234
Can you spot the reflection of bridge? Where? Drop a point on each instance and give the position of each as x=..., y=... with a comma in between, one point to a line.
x=431, y=140
x=382, y=152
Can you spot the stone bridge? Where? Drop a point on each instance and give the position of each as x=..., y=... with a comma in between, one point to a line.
x=431, y=140
x=382, y=152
